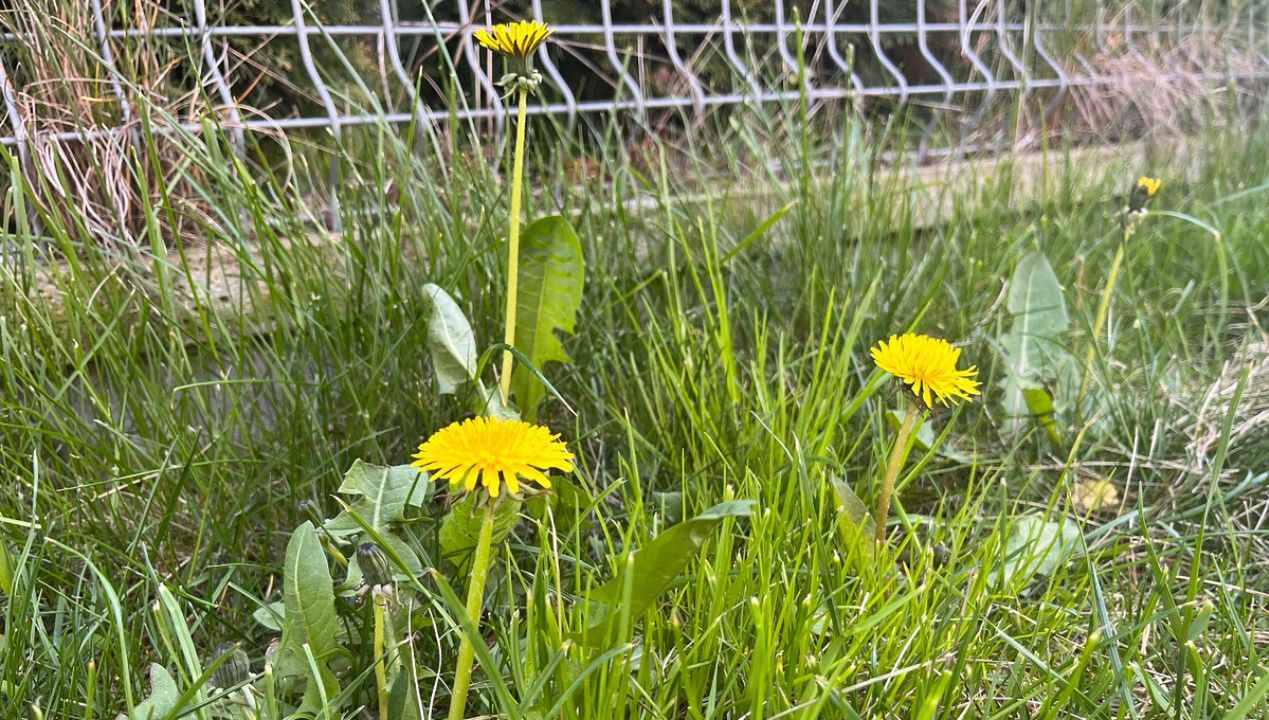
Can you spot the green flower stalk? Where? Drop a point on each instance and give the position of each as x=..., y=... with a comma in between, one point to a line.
x=513, y=246
x=379, y=580
x=481, y=561
x=516, y=41
x=1138, y=201
x=898, y=456
x=381, y=601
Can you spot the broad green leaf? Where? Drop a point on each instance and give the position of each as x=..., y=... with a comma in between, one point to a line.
x=451, y=340
x=309, y=618
x=164, y=696
x=854, y=522
x=552, y=276
x=1038, y=547
x=384, y=491
x=271, y=616
x=570, y=502
x=1035, y=299
x=1033, y=343
x=1040, y=403
x=669, y=505
x=407, y=700
x=657, y=564
x=849, y=506
x=461, y=526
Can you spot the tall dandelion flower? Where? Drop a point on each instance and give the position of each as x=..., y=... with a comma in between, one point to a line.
x=1143, y=191
x=928, y=366
x=494, y=452
x=491, y=453
x=517, y=41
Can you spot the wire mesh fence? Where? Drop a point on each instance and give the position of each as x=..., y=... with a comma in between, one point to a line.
x=957, y=67
x=959, y=55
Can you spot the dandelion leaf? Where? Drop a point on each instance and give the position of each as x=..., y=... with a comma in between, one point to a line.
x=654, y=567
x=383, y=493
x=451, y=341
x=552, y=277
x=1036, y=546
x=1032, y=347
x=163, y=699
x=309, y=623
x=461, y=526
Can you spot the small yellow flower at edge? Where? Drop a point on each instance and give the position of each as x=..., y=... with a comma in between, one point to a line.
x=929, y=366
x=514, y=39
x=493, y=451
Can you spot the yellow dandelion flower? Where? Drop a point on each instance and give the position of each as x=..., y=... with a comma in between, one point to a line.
x=515, y=39
x=1142, y=193
x=493, y=451
x=929, y=366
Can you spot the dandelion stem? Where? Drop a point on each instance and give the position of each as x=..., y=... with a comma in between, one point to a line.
x=381, y=672
x=1103, y=311
x=898, y=454
x=475, y=596
x=513, y=246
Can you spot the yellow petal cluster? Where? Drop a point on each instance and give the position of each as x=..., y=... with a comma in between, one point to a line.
x=1150, y=185
x=514, y=39
x=494, y=452
x=929, y=366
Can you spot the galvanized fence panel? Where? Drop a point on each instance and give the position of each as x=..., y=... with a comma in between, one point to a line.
x=967, y=60
x=1004, y=46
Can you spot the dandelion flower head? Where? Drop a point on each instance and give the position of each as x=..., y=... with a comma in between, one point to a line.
x=929, y=366
x=1149, y=185
x=514, y=39
x=493, y=452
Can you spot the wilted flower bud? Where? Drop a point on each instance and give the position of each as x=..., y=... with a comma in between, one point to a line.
x=236, y=668
x=375, y=570
x=309, y=511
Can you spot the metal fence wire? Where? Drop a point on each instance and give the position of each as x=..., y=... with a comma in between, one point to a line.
x=953, y=58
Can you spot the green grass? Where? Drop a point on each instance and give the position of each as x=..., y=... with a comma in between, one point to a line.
x=147, y=445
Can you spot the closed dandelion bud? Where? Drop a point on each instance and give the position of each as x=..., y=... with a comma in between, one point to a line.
x=236, y=668
x=375, y=570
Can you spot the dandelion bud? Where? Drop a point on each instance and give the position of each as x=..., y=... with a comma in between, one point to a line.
x=375, y=570
x=236, y=668
x=309, y=511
